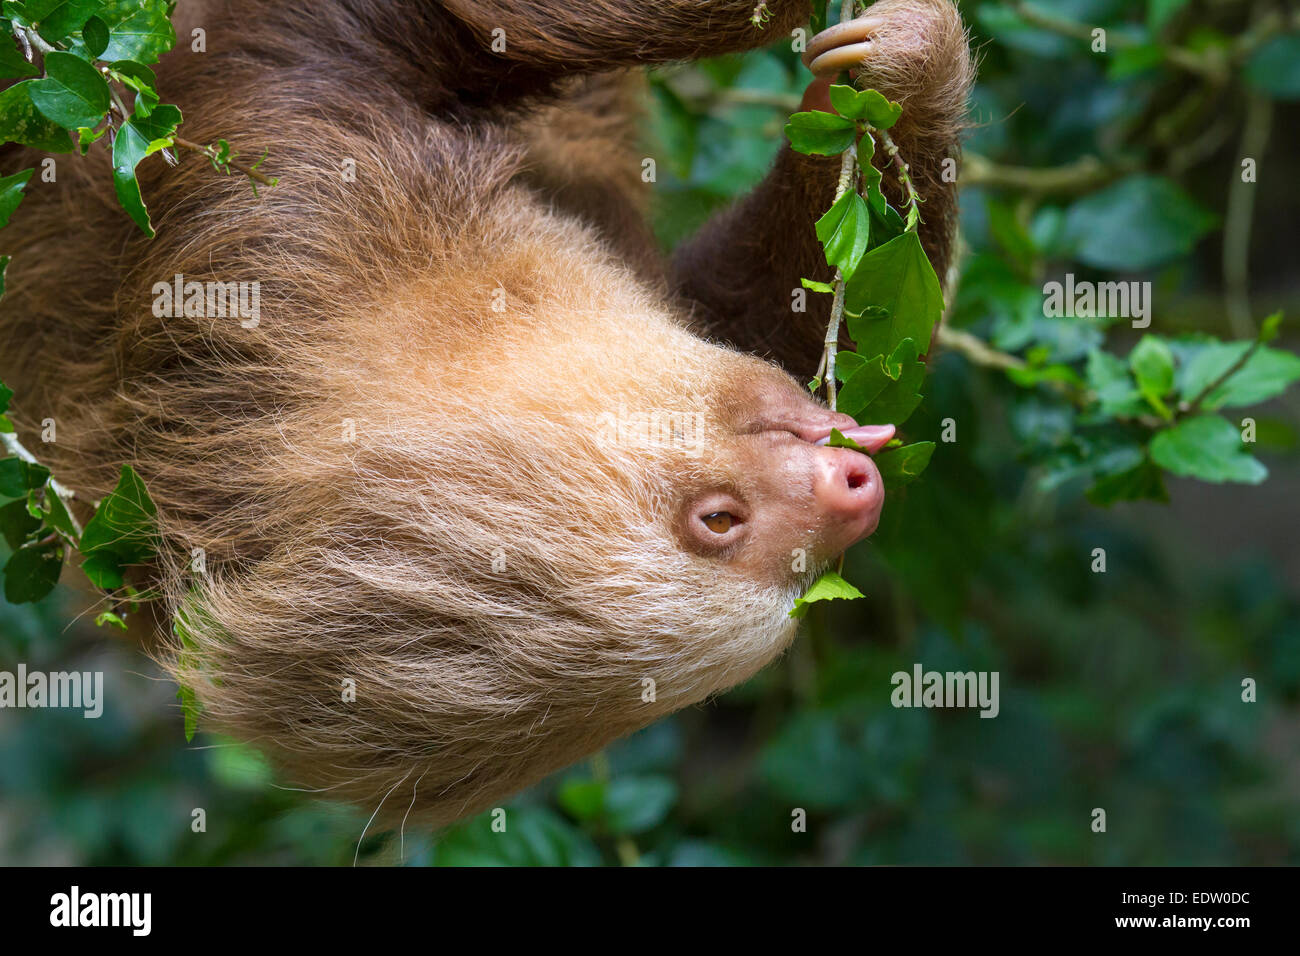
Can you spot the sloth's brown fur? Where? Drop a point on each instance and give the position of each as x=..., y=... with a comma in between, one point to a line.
x=373, y=560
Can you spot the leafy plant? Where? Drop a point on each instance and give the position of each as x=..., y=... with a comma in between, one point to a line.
x=1135, y=419
x=83, y=67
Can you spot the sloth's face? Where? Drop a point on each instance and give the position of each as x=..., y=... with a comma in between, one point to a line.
x=776, y=499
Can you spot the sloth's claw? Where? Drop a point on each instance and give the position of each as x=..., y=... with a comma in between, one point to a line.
x=842, y=46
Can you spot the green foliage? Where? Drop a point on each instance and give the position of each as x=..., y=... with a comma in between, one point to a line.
x=39, y=528
x=1138, y=223
x=829, y=587
x=95, y=81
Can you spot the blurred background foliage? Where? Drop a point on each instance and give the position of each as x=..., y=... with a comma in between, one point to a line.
x=1119, y=690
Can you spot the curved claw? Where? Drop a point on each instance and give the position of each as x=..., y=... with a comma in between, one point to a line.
x=840, y=39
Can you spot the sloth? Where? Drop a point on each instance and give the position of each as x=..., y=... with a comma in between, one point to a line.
x=487, y=482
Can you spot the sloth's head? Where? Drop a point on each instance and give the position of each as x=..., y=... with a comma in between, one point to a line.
x=520, y=555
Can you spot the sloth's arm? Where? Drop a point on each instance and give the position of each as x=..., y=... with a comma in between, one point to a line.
x=562, y=37
x=739, y=274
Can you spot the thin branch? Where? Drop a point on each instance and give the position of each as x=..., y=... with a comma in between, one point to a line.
x=211, y=154
x=1240, y=214
x=1190, y=408
x=1081, y=176
x=831, y=344
x=978, y=352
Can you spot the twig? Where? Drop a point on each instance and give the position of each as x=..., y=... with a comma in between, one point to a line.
x=211, y=154
x=904, y=179
x=978, y=352
x=1190, y=408
x=1239, y=217
x=848, y=178
x=831, y=344
x=1081, y=176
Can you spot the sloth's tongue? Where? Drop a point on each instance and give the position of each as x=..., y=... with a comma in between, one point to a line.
x=871, y=437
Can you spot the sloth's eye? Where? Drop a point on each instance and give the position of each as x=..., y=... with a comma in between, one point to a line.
x=719, y=522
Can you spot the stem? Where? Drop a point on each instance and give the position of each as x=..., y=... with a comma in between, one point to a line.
x=1081, y=176
x=1190, y=408
x=31, y=38
x=848, y=172
x=904, y=179
x=1239, y=217
x=978, y=352
x=210, y=153
x=10, y=441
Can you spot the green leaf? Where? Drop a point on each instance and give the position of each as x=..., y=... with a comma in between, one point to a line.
x=85, y=137
x=12, y=62
x=1206, y=447
x=56, y=20
x=1152, y=363
x=829, y=587
x=11, y=193
x=140, y=136
x=139, y=30
x=1113, y=384
x=16, y=524
x=94, y=34
x=636, y=804
x=17, y=477
x=582, y=799
x=108, y=617
x=55, y=513
x=1269, y=328
x=1143, y=482
x=863, y=384
x=103, y=570
x=844, y=231
x=898, y=278
x=1274, y=69
x=1267, y=373
x=846, y=364
x=73, y=93
x=837, y=440
x=31, y=574
x=894, y=403
x=868, y=105
x=21, y=122
x=900, y=466
x=1138, y=223
x=823, y=134
x=886, y=223
x=124, y=523
x=139, y=78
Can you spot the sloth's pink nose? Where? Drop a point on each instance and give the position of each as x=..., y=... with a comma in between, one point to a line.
x=849, y=494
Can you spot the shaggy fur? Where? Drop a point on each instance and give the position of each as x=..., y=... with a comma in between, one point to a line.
x=498, y=579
